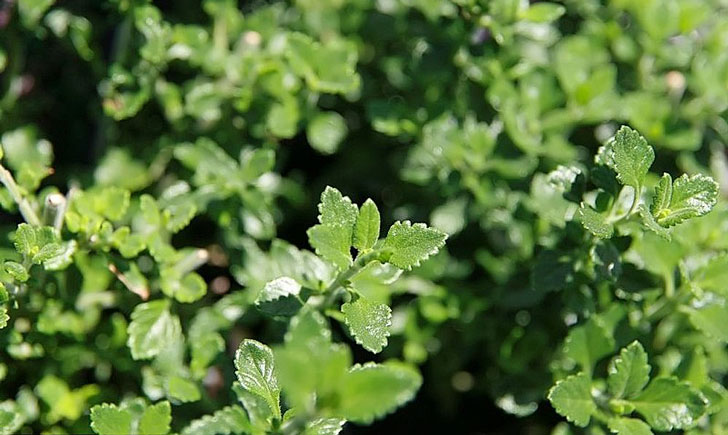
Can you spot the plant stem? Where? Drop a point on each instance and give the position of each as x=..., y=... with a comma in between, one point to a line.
x=632, y=207
x=333, y=291
x=53, y=211
x=192, y=261
x=669, y=286
x=635, y=200
x=23, y=205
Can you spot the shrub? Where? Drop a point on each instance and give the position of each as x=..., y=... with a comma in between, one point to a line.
x=161, y=162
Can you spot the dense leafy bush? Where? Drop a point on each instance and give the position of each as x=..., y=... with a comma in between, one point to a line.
x=162, y=162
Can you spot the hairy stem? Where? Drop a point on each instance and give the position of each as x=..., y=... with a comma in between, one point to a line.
x=336, y=288
x=54, y=208
x=23, y=205
x=192, y=261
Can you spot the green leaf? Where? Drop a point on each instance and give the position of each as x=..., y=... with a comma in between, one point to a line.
x=663, y=194
x=4, y=316
x=366, y=229
x=152, y=327
x=629, y=372
x=118, y=168
x=282, y=120
x=332, y=242
x=594, y=222
x=16, y=270
x=178, y=216
x=711, y=319
x=372, y=391
x=410, y=244
x=588, y=343
x=47, y=252
x=629, y=426
x=31, y=11
x=113, y=202
x=669, y=404
x=571, y=397
x=630, y=157
x=688, y=197
x=648, y=220
x=31, y=240
x=108, y=419
x=254, y=367
x=326, y=131
x=329, y=67
x=183, y=390
x=259, y=413
x=368, y=322
x=333, y=237
x=187, y=288
x=324, y=426
x=63, y=258
x=156, y=419
x=10, y=422
x=280, y=297
x=25, y=239
x=310, y=366
x=254, y=163
x=544, y=12
x=336, y=209
x=228, y=420
x=713, y=275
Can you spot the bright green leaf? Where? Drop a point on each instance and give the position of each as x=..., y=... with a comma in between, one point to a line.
x=371, y=391
x=543, y=12
x=630, y=156
x=108, y=419
x=228, y=420
x=629, y=372
x=366, y=229
x=588, y=343
x=571, y=397
x=410, y=244
x=669, y=404
x=326, y=131
x=629, y=426
x=4, y=316
x=156, y=419
x=151, y=328
x=711, y=319
x=280, y=297
x=324, y=426
x=648, y=220
x=332, y=242
x=187, y=288
x=16, y=270
x=595, y=222
x=254, y=367
x=336, y=209
x=688, y=197
x=183, y=390
x=368, y=322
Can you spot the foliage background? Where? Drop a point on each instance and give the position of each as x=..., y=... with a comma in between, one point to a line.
x=450, y=112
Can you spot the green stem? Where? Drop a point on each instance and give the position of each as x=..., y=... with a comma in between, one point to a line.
x=23, y=205
x=632, y=207
x=192, y=261
x=53, y=211
x=669, y=286
x=635, y=200
x=336, y=288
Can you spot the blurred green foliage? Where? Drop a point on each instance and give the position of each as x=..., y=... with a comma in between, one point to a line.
x=161, y=166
